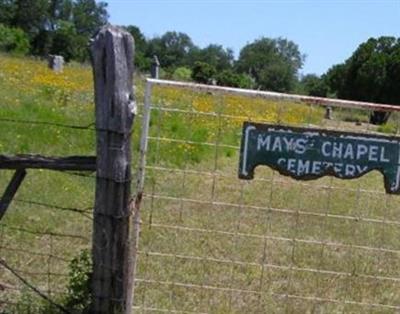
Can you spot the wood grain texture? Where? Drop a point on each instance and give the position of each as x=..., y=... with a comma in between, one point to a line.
x=11, y=190
x=72, y=163
x=112, y=57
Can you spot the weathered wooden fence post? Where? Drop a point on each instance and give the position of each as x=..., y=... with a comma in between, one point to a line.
x=155, y=68
x=112, y=56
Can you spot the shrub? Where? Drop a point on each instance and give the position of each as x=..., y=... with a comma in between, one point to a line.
x=13, y=40
x=182, y=74
x=230, y=78
x=78, y=297
x=203, y=72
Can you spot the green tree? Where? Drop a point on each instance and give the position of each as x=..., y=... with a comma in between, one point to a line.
x=53, y=24
x=141, y=60
x=203, y=72
x=182, y=74
x=88, y=16
x=31, y=16
x=313, y=85
x=371, y=74
x=232, y=79
x=59, y=10
x=215, y=55
x=7, y=11
x=172, y=49
x=65, y=41
x=13, y=40
x=272, y=63
x=335, y=79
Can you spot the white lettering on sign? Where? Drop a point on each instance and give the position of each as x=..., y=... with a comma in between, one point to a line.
x=306, y=155
x=326, y=149
x=302, y=167
x=281, y=144
x=338, y=150
x=348, y=153
x=383, y=159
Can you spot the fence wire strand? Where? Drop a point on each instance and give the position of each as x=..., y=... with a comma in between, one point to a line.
x=211, y=243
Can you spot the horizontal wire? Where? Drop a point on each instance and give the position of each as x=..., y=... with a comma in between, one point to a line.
x=273, y=266
x=278, y=295
x=154, y=309
x=275, y=238
x=172, y=140
x=77, y=174
x=36, y=232
x=16, y=273
x=35, y=253
x=41, y=274
x=61, y=125
x=276, y=180
x=278, y=210
x=82, y=211
x=91, y=126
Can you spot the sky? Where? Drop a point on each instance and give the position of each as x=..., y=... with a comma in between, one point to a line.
x=326, y=31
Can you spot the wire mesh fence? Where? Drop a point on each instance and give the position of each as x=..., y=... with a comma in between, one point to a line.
x=50, y=221
x=211, y=243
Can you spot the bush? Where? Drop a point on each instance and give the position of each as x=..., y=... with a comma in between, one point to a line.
x=230, y=78
x=203, y=72
x=78, y=297
x=13, y=40
x=65, y=41
x=77, y=300
x=182, y=74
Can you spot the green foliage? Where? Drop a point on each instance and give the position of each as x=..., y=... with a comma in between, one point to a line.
x=55, y=26
x=78, y=297
x=182, y=74
x=388, y=128
x=65, y=41
x=272, y=63
x=313, y=85
x=31, y=16
x=215, y=55
x=172, y=49
x=230, y=78
x=142, y=61
x=88, y=16
x=13, y=40
x=203, y=72
x=371, y=74
x=7, y=11
x=335, y=79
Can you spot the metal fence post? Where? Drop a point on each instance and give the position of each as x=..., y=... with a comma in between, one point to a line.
x=112, y=55
x=155, y=68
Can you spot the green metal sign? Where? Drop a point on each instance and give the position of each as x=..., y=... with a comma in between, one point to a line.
x=307, y=154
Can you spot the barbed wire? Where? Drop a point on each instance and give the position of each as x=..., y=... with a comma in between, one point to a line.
x=45, y=233
x=32, y=287
x=83, y=211
x=61, y=125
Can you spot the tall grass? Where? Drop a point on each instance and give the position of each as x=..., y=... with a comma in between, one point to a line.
x=209, y=242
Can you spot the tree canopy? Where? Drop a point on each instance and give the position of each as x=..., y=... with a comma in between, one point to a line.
x=55, y=26
x=64, y=27
x=272, y=63
x=172, y=49
x=371, y=74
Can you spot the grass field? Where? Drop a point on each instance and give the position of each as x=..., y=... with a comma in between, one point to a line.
x=210, y=243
